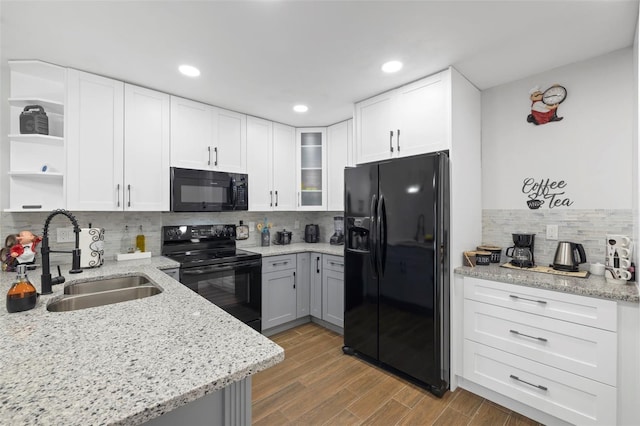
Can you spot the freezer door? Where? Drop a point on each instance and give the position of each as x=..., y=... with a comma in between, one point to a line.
x=409, y=260
x=361, y=284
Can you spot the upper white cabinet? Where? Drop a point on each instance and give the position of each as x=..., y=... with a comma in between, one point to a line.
x=311, y=155
x=146, y=149
x=207, y=138
x=118, y=145
x=271, y=165
x=413, y=119
x=95, y=142
x=37, y=162
x=339, y=140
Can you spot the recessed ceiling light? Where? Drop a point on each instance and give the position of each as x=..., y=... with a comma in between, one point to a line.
x=301, y=108
x=392, y=66
x=188, y=70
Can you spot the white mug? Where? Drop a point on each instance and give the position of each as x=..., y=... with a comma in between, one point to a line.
x=618, y=273
x=618, y=240
x=597, y=269
x=623, y=262
x=622, y=252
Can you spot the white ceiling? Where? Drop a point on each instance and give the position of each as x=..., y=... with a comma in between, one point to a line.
x=262, y=57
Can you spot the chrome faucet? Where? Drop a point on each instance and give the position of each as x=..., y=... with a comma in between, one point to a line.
x=46, y=281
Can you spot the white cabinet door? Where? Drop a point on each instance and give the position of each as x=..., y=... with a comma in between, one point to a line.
x=303, y=275
x=259, y=164
x=284, y=167
x=230, y=146
x=146, y=149
x=338, y=137
x=192, y=134
x=278, y=298
x=374, y=123
x=421, y=116
x=315, y=296
x=95, y=138
x=311, y=158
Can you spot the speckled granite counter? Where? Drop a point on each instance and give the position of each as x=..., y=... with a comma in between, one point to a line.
x=594, y=286
x=275, y=250
x=124, y=363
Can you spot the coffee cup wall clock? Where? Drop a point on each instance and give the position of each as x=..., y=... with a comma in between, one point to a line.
x=544, y=105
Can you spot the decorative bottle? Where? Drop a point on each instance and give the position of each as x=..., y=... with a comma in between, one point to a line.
x=126, y=245
x=22, y=295
x=140, y=241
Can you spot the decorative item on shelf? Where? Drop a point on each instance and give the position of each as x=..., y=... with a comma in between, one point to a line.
x=19, y=249
x=33, y=119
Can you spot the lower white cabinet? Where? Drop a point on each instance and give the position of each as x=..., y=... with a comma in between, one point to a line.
x=552, y=351
x=279, y=301
x=333, y=289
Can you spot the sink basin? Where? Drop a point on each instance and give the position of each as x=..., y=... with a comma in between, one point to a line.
x=101, y=298
x=106, y=284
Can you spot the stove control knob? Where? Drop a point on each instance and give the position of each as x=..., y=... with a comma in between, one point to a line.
x=229, y=231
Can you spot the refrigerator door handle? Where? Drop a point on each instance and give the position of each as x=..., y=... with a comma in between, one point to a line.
x=373, y=252
x=382, y=236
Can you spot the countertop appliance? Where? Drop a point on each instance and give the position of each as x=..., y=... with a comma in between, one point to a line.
x=311, y=233
x=338, y=235
x=212, y=266
x=522, y=250
x=568, y=256
x=208, y=191
x=283, y=237
x=397, y=282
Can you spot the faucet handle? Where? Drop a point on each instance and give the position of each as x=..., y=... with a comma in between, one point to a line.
x=59, y=279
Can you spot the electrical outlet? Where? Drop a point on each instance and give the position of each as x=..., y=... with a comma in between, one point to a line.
x=552, y=232
x=296, y=224
x=252, y=226
x=65, y=235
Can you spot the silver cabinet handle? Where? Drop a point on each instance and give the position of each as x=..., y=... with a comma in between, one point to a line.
x=129, y=192
x=544, y=388
x=216, y=151
x=391, y=140
x=208, y=156
x=279, y=263
x=271, y=197
x=336, y=263
x=542, y=339
x=276, y=198
x=118, y=193
x=398, y=140
x=513, y=296
x=298, y=198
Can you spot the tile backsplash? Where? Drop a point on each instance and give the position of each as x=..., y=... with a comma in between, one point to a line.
x=152, y=222
x=587, y=227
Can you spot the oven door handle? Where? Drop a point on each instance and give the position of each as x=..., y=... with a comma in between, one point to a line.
x=219, y=268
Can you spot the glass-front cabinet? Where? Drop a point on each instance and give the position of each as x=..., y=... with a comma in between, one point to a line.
x=312, y=168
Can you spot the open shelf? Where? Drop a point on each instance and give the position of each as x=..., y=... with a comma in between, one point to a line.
x=50, y=107
x=36, y=138
x=37, y=175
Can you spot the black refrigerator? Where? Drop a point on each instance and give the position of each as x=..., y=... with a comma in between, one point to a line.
x=396, y=267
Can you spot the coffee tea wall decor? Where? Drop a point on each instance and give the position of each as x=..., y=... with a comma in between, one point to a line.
x=544, y=105
x=545, y=191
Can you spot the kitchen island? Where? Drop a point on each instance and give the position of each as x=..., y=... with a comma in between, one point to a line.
x=125, y=363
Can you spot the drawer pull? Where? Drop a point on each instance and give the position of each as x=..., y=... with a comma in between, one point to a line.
x=542, y=339
x=337, y=264
x=279, y=263
x=530, y=300
x=530, y=384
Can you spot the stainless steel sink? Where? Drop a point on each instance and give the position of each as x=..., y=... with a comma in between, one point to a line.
x=91, y=300
x=106, y=284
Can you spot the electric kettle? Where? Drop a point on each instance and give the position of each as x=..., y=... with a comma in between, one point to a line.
x=569, y=256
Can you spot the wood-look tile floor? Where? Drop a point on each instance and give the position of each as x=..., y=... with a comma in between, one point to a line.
x=317, y=384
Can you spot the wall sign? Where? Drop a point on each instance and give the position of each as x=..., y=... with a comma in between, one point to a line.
x=544, y=105
x=545, y=191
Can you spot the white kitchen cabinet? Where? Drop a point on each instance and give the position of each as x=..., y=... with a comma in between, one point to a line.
x=303, y=284
x=271, y=165
x=333, y=289
x=413, y=119
x=37, y=162
x=279, y=301
x=207, y=138
x=338, y=143
x=146, y=149
x=552, y=351
x=315, y=295
x=311, y=156
x=95, y=142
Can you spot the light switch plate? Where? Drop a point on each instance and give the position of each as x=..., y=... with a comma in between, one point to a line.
x=296, y=224
x=552, y=232
x=252, y=226
x=65, y=235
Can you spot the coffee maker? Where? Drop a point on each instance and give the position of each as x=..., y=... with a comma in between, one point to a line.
x=338, y=236
x=522, y=251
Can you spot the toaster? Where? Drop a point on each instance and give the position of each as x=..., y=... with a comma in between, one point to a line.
x=311, y=233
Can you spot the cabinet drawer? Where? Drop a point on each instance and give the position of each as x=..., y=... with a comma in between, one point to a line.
x=583, y=310
x=567, y=396
x=332, y=263
x=278, y=263
x=587, y=351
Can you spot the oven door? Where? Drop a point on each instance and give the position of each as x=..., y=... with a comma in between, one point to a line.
x=207, y=191
x=235, y=287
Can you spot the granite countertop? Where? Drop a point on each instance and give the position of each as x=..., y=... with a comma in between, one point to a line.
x=593, y=286
x=275, y=250
x=124, y=363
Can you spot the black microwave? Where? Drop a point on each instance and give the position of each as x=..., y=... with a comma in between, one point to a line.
x=208, y=191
